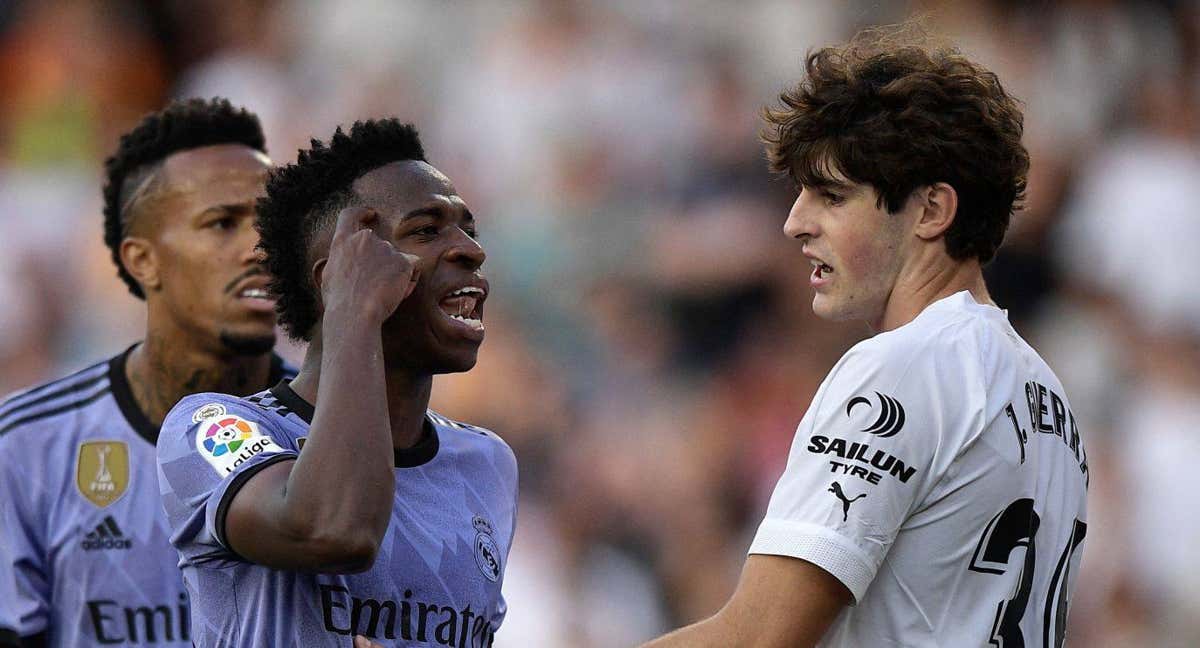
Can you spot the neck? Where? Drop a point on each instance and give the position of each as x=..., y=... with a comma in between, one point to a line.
x=927, y=281
x=161, y=371
x=407, y=395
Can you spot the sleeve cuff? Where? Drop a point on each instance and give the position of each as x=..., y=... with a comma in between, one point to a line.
x=231, y=491
x=819, y=546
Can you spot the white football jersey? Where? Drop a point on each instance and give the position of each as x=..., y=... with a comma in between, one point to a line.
x=940, y=475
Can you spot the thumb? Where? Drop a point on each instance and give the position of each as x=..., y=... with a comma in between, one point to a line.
x=361, y=642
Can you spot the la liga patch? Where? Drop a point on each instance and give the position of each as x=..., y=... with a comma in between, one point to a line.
x=226, y=442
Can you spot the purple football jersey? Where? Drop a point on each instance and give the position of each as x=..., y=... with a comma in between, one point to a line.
x=436, y=580
x=83, y=539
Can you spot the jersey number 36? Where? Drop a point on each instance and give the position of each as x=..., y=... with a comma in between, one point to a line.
x=1017, y=526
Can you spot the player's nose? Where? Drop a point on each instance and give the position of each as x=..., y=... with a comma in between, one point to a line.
x=799, y=222
x=465, y=250
x=248, y=250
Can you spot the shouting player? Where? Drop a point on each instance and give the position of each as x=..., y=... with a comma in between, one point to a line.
x=935, y=492
x=338, y=504
x=84, y=533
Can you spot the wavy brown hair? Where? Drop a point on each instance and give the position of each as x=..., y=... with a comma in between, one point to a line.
x=896, y=111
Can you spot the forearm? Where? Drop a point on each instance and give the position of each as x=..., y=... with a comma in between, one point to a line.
x=780, y=602
x=343, y=483
x=709, y=632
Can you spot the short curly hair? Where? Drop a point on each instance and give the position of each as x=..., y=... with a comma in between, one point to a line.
x=305, y=197
x=182, y=125
x=891, y=110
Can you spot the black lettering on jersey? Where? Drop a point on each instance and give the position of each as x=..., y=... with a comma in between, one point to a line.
x=106, y=535
x=435, y=624
x=1042, y=411
x=374, y=611
x=1049, y=414
x=1031, y=403
x=886, y=463
x=249, y=451
x=142, y=624
x=1059, y=411
x=1022, y=435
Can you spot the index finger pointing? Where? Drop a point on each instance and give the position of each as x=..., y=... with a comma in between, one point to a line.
x=352, y=219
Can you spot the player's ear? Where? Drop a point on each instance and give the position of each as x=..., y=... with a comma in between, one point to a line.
x=318, y=279
x=939, y=205
x=140, y=261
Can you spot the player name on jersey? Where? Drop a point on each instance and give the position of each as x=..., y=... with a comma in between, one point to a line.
x=1049, y=414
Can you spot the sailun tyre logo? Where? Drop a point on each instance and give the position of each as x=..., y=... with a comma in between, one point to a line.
x=890, y=418
x=226, y=436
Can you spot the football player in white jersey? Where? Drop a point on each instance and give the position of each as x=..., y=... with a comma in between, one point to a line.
x=935, y=494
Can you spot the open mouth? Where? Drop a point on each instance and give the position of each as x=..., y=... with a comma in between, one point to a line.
x=820, y=270
x=256, y=298
x=254, y=293
x=465, y=306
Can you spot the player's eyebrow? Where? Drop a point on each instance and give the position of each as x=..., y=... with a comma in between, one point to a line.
x=830, y=184
x=232, y=208
x=435, y=210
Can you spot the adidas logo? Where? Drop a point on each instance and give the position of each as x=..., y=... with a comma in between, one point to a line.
x=106, y=535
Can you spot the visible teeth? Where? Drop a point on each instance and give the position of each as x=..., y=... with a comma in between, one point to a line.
x=258, y=293
x=473, y=323
x=467, y=290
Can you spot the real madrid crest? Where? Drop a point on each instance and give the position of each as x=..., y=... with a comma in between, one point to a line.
x=102, y=471
x=487, y=553
x=208, y=411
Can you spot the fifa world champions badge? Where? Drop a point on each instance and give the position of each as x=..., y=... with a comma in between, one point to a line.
x=227, y=441
x=102, y=471
x=487, y=553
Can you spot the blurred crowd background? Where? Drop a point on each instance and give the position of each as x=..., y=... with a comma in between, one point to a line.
x=651, y=346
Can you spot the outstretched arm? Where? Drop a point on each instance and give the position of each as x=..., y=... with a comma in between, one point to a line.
x=779, y=602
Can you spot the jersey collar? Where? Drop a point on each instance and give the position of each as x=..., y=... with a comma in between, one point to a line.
x=421, y=453
x=133, y=414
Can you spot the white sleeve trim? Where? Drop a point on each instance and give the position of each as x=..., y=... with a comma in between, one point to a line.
x=820, y=546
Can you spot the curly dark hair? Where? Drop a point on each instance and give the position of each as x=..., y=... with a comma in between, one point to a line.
x=182, y=125
x=305, y=197
x=891, y=110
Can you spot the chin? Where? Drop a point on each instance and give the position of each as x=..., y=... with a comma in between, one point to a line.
x=834, y=310
x=457, y=362
x=248, y=343
x=826, y=308
x=429, y=358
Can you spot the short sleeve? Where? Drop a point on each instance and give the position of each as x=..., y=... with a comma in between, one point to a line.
x=209, y=446
x=24, y=581
x=9, y=615
x=865, y=455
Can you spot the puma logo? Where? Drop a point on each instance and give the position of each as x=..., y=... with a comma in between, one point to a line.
x=836, y=489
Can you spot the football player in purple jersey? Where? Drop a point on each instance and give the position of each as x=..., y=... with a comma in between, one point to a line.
x=338, y=504
x=85, y=541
